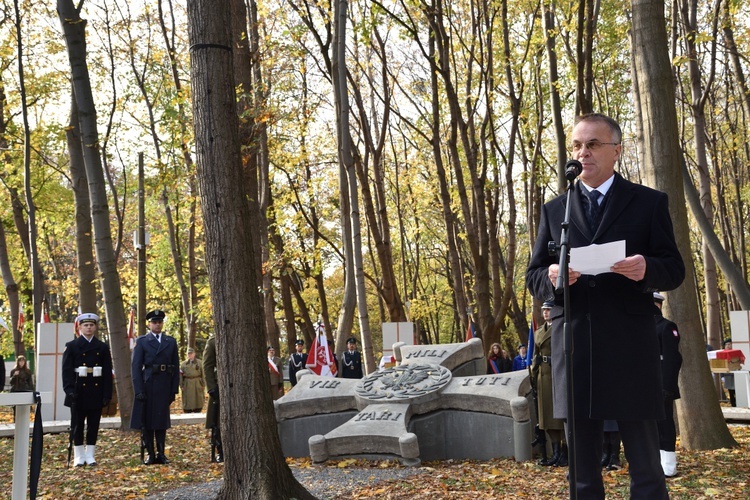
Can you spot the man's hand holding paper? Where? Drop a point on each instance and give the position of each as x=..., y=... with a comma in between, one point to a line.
x=596, y=259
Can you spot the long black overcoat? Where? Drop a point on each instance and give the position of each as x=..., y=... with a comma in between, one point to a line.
x=159, y=385
x=90, y=392
x=616, y=350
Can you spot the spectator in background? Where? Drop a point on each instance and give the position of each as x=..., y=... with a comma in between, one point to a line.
x=494, y=359
x=519, y=362
x=728, y=378
x=191, y=383
x=21, y=379
x=506, y=363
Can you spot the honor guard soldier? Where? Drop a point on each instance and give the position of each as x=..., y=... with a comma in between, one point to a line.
x=156, y=381
x=541, y=381
x=352, y=360
x=671, y=362
x=87, y=383
x=297, y=361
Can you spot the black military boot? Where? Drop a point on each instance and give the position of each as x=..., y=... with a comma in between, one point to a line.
x=614, y=459
x=562, y=461
x=219, y=453
x=555, y=454
x=606, y=451
x=151, y=457
x=161, y=436
x=543, y=460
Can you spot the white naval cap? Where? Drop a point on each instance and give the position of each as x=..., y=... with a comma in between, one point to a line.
x=83, y=318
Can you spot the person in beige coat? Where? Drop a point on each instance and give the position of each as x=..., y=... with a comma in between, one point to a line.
x=192, y=384
x=276, y=374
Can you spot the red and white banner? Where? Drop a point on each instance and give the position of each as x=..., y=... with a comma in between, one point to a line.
x=320, y=360
x=131, y=329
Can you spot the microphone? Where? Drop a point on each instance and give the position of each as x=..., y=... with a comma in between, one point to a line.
x=573, y=169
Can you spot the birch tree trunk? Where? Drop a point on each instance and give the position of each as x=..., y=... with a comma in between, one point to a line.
x=702, y=424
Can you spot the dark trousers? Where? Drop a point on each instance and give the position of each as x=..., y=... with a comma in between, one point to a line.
x=80, y=417
x=667, y=429
x=640, y=439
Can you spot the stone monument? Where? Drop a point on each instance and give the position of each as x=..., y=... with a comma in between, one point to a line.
x=436, y=403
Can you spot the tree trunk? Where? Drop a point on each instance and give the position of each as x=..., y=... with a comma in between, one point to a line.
x=84, y=240
x=338, y=71
x=699, y=93
x=255, y=466
x=37, y=276
x=554, y=90
x=9, y=282
x=74, y=30
x=702, y=424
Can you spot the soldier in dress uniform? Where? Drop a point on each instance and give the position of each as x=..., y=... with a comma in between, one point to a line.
x=297, y=361
x=191, y=383
x=212, y=412
x=351, y=362
x=276, y=373
x=541, y=377
x=671, y=361
x=156, y=380
x=87, y=383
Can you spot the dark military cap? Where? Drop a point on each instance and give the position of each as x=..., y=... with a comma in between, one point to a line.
x=300, y=342
x=548, y=304
x=156, y=314
x=351, y=340
x=270, y=348
x=522, y=345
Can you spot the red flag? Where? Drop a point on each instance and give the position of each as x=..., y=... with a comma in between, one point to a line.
x=320, y=360
x=131, y=329
x=45, y=313
x=21, y=321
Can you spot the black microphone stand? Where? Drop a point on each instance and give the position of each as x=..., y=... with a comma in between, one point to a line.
x=563, y=286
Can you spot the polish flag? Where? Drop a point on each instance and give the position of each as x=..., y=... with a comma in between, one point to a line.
x=320, y=360
x=131, y=329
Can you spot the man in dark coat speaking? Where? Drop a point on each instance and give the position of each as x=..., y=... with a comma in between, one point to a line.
x=156, y=380
x=615, y=359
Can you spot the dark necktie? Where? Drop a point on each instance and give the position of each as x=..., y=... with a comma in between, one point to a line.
x=593, y=209
x=158, y=337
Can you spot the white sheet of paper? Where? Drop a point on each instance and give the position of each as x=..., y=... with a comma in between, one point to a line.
x=596, y=259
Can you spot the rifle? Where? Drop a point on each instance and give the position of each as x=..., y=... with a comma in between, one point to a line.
x=71, y=437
